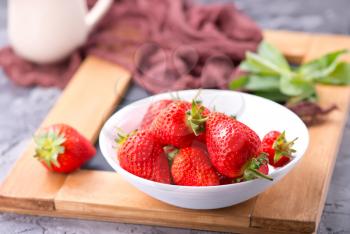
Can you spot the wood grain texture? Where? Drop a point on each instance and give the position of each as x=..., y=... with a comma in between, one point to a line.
x=296, y=202
x=106, y=194
x=321, y=45
x=85, y=104
x=88, y=216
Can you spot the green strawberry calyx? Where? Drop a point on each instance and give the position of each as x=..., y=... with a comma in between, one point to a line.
x=122, y=136
x=283, y=147
x=195, y=119
x=170, y=152
x=251, y=170
x=49, y=145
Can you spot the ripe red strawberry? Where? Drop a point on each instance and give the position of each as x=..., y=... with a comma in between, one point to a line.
x=152, y=112
x=264, y=168
x=191, y=167
x=278, y=148
x=63, y=149
x=142, y=155
x=201, y=137
x=179, y=123
x=231, y=144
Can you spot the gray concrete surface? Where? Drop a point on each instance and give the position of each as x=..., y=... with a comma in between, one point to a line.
x=22, y=110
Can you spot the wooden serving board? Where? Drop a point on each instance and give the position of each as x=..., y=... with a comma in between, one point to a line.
x=293, y=205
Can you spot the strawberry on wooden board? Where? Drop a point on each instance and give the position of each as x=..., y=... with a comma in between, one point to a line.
x=179, y=123
x=152, y=112
x=191, y=167
x=278, y=148
x=231, y=144
x=63, y=149
x=142, y=155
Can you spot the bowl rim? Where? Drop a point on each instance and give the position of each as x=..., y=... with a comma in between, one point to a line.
x=116, y=166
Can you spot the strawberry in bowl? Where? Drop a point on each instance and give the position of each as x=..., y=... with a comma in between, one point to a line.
x=214, y=160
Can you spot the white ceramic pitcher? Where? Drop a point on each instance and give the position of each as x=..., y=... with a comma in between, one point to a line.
x=47, y=31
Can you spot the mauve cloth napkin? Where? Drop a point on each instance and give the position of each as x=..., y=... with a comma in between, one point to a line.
x=167, y=44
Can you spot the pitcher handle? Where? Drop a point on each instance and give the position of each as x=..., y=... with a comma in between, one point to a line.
x=96, y=13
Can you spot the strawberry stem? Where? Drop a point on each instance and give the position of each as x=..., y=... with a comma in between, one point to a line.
x=195, y=98
x=122, y=136
x=175, y=96
x=283, y=147
x=257, y=174
x=252, y=169
x=195, y=119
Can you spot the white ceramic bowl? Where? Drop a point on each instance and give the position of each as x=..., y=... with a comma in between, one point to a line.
x=260, y=114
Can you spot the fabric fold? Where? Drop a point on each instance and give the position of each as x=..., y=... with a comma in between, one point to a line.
x=166, y=44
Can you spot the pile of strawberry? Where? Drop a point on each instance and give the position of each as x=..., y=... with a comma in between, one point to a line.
x=184, y=143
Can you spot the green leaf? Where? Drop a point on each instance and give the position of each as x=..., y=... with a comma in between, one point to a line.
x=239, y=82
x=254, y=63
x=272, y=54
x=274, y=95
x=269, y=75
x=268, y=61
x=256, y=83
x=340, y=75
x=321, y=67
x=295, y=85
x=309, y=94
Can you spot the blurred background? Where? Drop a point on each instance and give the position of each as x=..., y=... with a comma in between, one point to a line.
x=24, y=108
